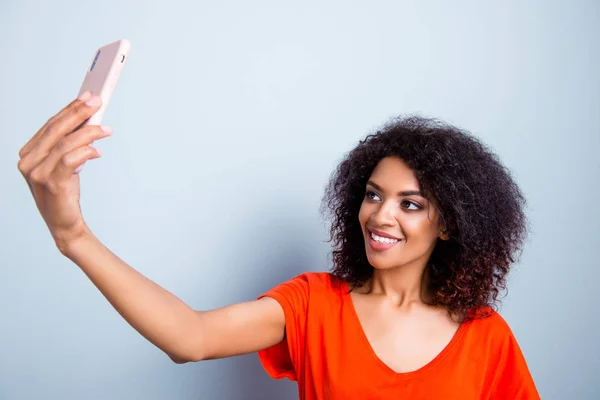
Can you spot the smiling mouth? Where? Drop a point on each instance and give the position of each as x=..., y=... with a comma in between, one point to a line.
x=382, y=239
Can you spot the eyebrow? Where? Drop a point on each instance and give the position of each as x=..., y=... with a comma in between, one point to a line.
x=402, y=193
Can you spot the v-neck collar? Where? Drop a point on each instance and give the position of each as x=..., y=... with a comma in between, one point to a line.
x=347, y=297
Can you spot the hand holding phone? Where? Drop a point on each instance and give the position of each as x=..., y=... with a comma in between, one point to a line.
x=103, y=74
x=50, y=160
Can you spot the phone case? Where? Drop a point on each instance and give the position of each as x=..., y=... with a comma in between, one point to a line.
x=103, y=74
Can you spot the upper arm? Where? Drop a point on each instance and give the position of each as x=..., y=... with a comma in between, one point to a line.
x=239, y=329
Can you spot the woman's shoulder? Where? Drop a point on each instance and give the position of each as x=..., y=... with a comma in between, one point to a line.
x=320, y=282
x=487, y=322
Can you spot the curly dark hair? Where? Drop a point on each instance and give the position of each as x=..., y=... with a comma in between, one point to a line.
x=480, y=205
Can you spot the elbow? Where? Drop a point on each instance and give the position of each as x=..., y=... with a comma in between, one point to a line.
x=188, y=346
x=178, y=360
x=185, y=358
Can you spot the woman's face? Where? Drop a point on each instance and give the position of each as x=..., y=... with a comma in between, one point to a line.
x=399, y=225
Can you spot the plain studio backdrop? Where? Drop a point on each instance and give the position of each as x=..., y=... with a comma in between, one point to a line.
x=229, y=119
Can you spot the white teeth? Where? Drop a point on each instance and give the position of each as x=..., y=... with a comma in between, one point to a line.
x=381, y=239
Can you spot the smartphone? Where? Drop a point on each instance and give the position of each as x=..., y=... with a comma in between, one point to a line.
x=103, y=74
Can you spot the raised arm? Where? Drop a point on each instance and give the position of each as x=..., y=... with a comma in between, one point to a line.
x=50, y=162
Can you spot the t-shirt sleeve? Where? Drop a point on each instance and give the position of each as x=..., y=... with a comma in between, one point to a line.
x=285, y=359
x=513, y=378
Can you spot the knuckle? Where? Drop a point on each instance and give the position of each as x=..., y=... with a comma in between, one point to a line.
x=70, y=160
x=97, y=131
x=90, y=153
x=22, y=166
x=88, y=132
x=63, y=145
x=50, y=120
x=37, y=177
x=66, y=161
x=52, y=129
x=50, y=125
x=82, y=110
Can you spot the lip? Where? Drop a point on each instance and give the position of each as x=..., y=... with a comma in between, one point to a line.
x=383, y=234
x=376, y=246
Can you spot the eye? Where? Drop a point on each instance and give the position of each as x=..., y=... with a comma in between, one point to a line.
x=371, y=195
x=408, y=204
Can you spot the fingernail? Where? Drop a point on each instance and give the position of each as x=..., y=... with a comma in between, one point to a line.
x=78, y=169
x=107, y=130
x=85, y=95
x=99, y=152
x=94, y=101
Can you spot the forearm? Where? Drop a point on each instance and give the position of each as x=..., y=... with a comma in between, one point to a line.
x=158, y=315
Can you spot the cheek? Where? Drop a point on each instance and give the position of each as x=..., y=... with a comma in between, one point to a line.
x=363, y=214
x=419, y=227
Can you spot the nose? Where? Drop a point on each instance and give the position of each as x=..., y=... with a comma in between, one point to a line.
x=384, y=215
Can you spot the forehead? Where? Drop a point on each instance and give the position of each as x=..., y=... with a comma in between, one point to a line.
x=392, y=173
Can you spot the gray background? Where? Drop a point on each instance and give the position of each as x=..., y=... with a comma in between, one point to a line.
x=228, y=121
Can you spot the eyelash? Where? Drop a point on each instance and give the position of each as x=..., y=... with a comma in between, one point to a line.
x=419, y=207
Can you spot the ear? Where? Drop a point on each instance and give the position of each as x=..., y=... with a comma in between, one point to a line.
x=444, y=234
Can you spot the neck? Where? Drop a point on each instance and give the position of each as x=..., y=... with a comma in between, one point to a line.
x=402, y=285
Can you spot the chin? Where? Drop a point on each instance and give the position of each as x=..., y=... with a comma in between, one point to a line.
x=382, y=265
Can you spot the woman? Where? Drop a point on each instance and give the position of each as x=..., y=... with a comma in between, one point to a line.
x=425, y=223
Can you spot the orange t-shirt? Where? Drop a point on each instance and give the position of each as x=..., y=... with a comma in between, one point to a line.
x=328, y=354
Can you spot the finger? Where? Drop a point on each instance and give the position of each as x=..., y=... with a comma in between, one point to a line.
x=70, y=161
x=60, y=128
x=67, y=123
x=27, y=148
x=78, y=169
x=81, y=137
